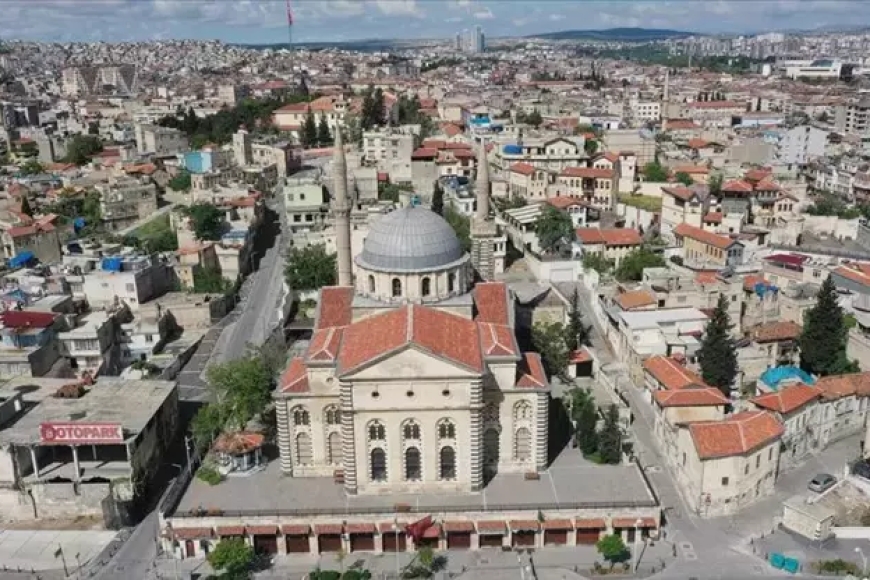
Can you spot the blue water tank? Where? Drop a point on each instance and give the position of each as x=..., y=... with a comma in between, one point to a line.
x=513, y=150
x=113, y=264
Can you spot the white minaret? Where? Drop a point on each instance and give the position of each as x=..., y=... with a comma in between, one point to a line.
x=341, y=213
x=483, y=229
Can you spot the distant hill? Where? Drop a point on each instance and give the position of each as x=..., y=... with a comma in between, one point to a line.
x=615, y=34
x=356, y=45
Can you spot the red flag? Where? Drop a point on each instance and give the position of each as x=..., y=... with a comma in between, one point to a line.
x=417, y=529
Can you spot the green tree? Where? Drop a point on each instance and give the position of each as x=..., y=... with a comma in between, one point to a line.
x=718, y=353
x=233, y=557
x=715, y=184
x=534, y=119
x=25, y=206
x=610, y=437
x=577, y=334
x=596, y=261
x=31, y=167
x=210, y=280
x=684, y=178
x=584, y=414
x=81, y=148
x=310, y=268
x=824, y=336
x=308, y=135
x=180, y=182
x=165, y=241
x=548, y=338
x=655, y=172
x=613, y=549
x=242, y=387
x=353, y=129
x=553, y=226
x=372, y=113
x=461, y=226
x=206, y=220
x=632, y=265
x=207, y=424
x=591, y=147
x=438, y=199
x=324, y=136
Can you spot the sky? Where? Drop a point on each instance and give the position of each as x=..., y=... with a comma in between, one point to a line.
x=265, y=21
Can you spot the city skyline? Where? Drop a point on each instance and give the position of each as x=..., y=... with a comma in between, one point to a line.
x=264, y=22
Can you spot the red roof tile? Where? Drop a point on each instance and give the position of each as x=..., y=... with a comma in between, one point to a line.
x=838, y=386
x=497, y=340
x=788, y=398
x=737, y=186
x=328, y=529
x=776, y=331
x=424, y=153
x=680, y=192
x=530, y=372
x=562, y=202
x=588, y=172
x=492, y=302
x=324, y=344
x=492, y=526
x=334, y=308
x=296, y=529
x=636, y=299
x=609, y=236
x=524, y=525
x=263, y=530
x=361, y=528
x=709, y=238
x=590, y=523
x=522, y=168
x=294, y=379
x=557, y=525
x=737, y=435
x=690, y=397
x=671, y=374
x=713, y=217
x=457, y=526
x=632, y=522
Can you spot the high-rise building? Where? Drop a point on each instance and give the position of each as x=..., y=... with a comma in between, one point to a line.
x=471, y=41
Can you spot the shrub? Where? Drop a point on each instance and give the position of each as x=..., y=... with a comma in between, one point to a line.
x=210, y=475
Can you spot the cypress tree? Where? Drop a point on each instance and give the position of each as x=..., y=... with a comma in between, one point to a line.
x=25, y=206
x=610, y=437
x=309, y=130
x=576, y=333
x=823, y=340
x=324, y=137
x=438, y=199
x=718, y=355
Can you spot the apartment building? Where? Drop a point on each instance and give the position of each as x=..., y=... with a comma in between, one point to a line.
x=686, y=205
x=798, y=408
x=125, y=200
x=527, y=181
x=132, y=279
x=547, y=154
x=38, y=238
x=28, y=343
x=786, y=270
x=801, y=145
x=613, y=244
x=706, y=249
x=712, y=114
x=159, y=141
x=333, y=108
x=854, y=118
x=646, y=111
x=304, y=203
x=597, y=186
x=390, y=150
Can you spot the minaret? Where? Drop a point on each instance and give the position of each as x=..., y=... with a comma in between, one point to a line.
x=341, y=213
x=483, y=228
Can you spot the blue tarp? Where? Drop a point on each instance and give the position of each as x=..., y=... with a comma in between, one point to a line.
x=21, y=259
x=774, y=376
x=513, y=149
x=113, y=264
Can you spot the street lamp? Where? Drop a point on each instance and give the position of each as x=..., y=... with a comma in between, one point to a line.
x=635, y=556
x=863, y=560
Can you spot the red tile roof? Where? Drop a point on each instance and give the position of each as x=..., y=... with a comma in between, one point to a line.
x=680, y=192
x=295, y=377
x=522, y=168
x=708, y=238
x=334, y=308
x=671, y=374
x=690, y=397
x=424, y=153
x=492, y=302
x=855, y=273
x=716, y=105
x=530, y=372
x=636, y=299
x=713, y=217
x=788, y=398
x=737, y=435
x=609, y=237
x=562, y=202
x=588, y=172
x=788, y=259
x=324, y=344
x=737, y=186
x=497, y=340
x=838, y=386
x=776, y=331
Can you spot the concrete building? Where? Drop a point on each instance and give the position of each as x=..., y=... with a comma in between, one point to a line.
x=612, y=244
x=390, y=150
x=126, y=200
x=801, y=145
x=706, y=249
x=854, y=118
x=798, y=408
x=159, y=141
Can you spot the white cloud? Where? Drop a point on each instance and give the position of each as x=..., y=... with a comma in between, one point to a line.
x=556, y=17
x=399, y=7
x=484, y=14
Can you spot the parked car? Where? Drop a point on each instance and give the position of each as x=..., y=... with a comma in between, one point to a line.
x=822, y=482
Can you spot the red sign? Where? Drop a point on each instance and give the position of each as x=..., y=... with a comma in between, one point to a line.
x=81, y=433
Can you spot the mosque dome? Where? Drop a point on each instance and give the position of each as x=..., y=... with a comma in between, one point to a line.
x=410, y=239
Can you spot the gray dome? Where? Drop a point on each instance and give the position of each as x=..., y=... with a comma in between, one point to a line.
x=412, y=238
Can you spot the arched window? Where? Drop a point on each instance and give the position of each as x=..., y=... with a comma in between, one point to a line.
x=333, y=448
x=447, y=464
x=371, y=284
x=301, y=417
x=490, y=447
x=426, y=286
x=490, y=413
x=446, y=429
x=523, y=444
x=397, y=287
x=379, y=465
x=304, y=455
x=332, y=416
x=522, y=411
x=413, y=471
x=411, y=430
x=451, y=282
x=377, y=431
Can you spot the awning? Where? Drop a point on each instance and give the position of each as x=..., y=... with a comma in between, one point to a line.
x=231, y=530
x=192, y=533
x=360, y=528
x=458, y=527
x=296, y=529
x=590, y=524
x=645, y=522
x=524, y=525
x=558, y=525
x=491, y=527
x=391, y=527
x=328, y=529
x=263, y=530
x=432, y=532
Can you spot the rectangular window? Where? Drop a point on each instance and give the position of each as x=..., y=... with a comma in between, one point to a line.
x=724, y=481
x=758, y=461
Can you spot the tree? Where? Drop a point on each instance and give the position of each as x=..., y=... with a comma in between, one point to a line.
x=548, y=339
x=25, y=206
x=577, y=334
x=242, y=388
x=206, y=425
x=206, y=220
x=310, y=268
x=180, y=182
x=372, y=113
x=438, y=199
x=81, y=148
x=590, y=146
x=715, y=184
x=684, y=178
x=632, y=265
x=534, y=119
x=655, y=172
x=324, y=136
x=718, y=354
x=553, y=226
x=210, y=280
x=824, y=336
x=31, y=167
x=308, y=135
x=613, y=549
x=584, y=414
x=234, y=557
x=461, y=226
x=353, y=129
x=610, y=437
x=596, y=261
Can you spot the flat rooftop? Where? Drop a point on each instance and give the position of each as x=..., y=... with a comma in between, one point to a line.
x=571, y=482
x=132, y=403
